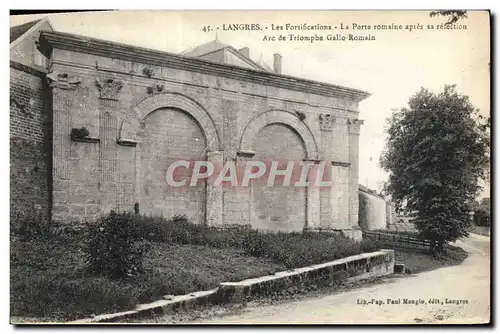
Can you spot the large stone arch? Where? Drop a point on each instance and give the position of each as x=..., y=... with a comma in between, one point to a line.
x=129, y=135
x=292, y=121
x=277, y=116
x=140, y=110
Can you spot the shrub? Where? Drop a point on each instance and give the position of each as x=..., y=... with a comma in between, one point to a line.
x=290, y=249
x=177, y=230
x=32, y=226
x=79, y=133
x=302, y=249
x=70, y=297
x=115, y=246
x=28, y=228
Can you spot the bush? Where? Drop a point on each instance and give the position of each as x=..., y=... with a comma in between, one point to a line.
x=482, y=218
x=303, y=249
x=177, y=230
x=79, y=133
x=115, y=245
x=33, y=226
x=290, y=249
x=70, y=297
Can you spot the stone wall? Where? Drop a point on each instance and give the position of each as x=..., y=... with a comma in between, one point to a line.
x=133, y=108
x=30, y=158
x=372, y=211
x=351, y=269
x=24, y=51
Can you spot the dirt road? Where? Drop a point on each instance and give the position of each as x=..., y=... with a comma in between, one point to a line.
x=459, y=294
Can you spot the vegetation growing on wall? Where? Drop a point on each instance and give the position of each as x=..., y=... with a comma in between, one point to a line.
x=79, y=133
x=148, y=71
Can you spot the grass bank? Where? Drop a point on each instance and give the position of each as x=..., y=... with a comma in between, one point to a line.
x=416, y=262
x=50, y=279
x=482, y=230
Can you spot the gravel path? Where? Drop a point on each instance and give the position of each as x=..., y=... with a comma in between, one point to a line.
x=459, y=294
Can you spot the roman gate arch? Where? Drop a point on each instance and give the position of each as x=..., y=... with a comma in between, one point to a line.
x=291, y=121
x=165, y=122
x=173, y=100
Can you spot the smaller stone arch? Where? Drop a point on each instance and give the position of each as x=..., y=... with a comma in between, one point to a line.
x=279, y=117
x=129, y=127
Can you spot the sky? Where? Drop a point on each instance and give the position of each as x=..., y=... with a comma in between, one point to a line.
x=392, y=67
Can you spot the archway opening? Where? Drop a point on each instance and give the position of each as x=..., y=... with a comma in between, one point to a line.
x=278, y=207
x=168, y=135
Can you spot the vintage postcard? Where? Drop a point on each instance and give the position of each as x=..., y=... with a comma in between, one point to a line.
x=250, y=167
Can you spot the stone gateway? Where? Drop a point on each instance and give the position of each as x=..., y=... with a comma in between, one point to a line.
x=145, y=109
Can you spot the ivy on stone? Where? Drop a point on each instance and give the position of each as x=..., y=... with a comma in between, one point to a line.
x=79, y=133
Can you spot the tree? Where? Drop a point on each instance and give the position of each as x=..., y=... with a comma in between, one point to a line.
x=436, y=151
x=482, y=215
x=485, y=204
x=454, y=15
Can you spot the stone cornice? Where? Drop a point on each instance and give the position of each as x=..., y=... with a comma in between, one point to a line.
x=65, y=41
x=90, y=73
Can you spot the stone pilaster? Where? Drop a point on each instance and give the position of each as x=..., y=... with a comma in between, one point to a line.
x=335, y=147
x=63, y=94
x=354, y=126
x=214, y=192
x=326, y=125
x=108, y=158
x=313, y=221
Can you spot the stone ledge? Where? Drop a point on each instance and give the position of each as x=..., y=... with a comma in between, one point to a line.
x=163, y=306
x=353, y=268
x=127, y=142
x=86, y=140
x=245, y=153
x=314, y=161
x=341, y=164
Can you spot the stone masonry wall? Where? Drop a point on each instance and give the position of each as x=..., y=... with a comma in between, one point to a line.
x=30, y=152
x=372, y=211
x=113, y=98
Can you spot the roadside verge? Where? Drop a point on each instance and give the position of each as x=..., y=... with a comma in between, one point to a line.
x=352, y=268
